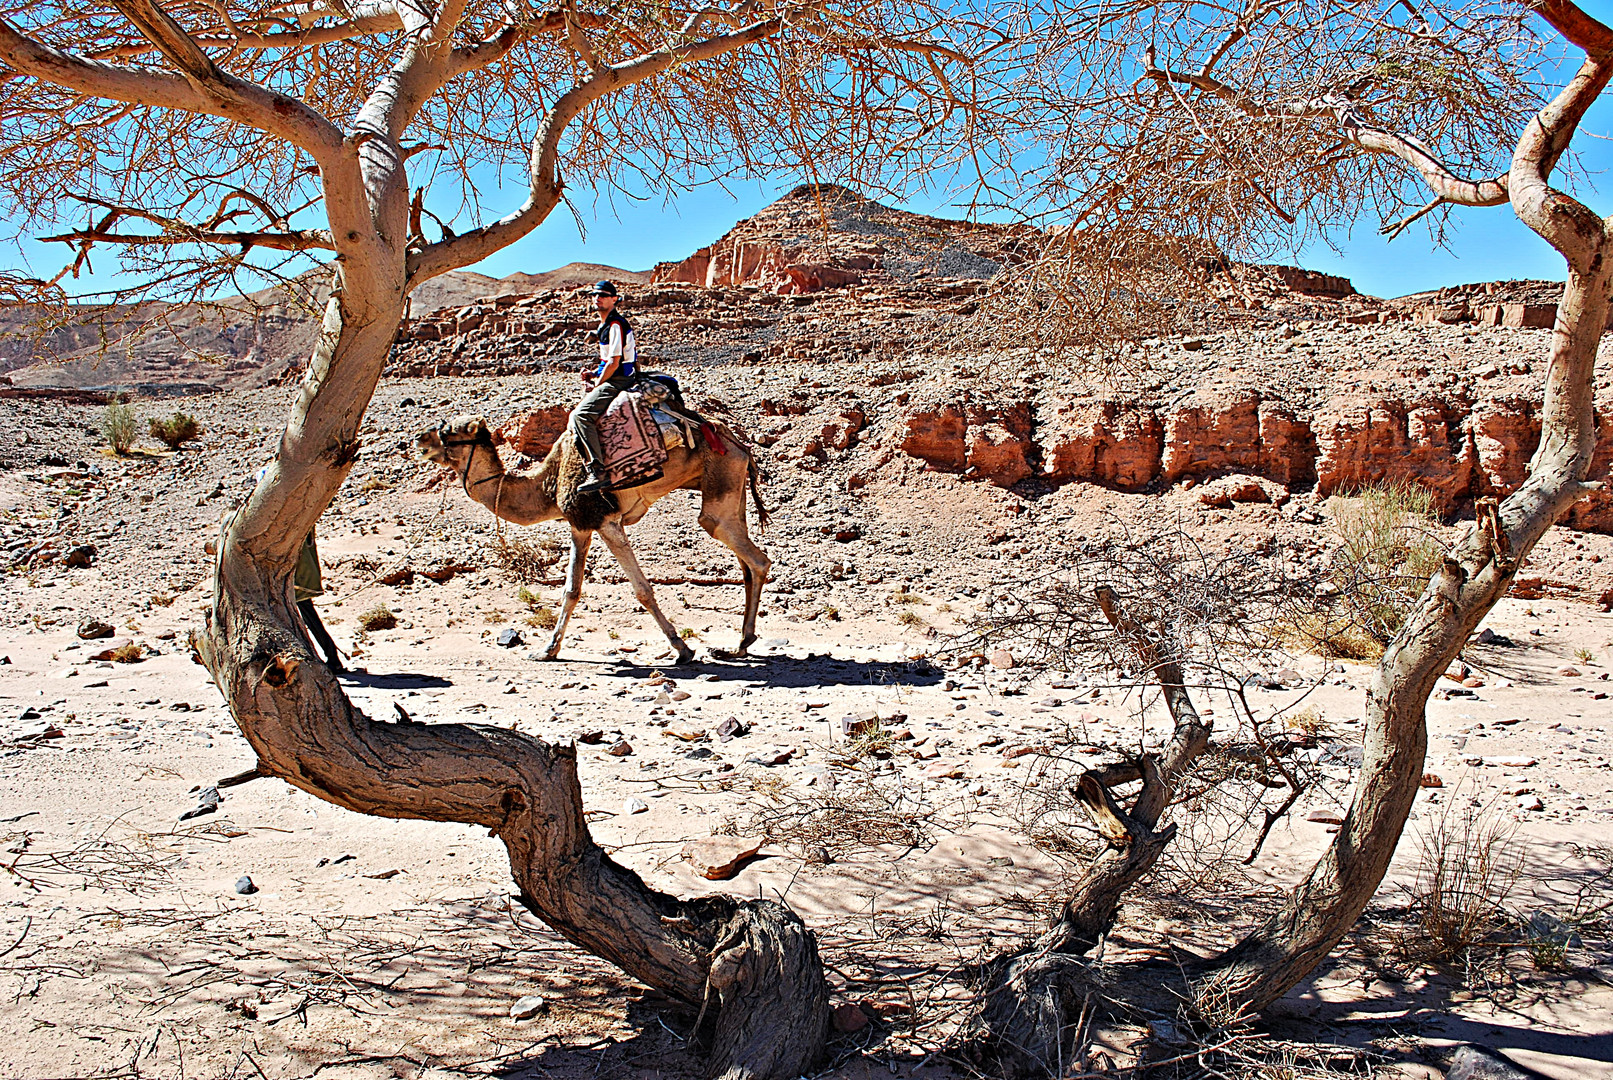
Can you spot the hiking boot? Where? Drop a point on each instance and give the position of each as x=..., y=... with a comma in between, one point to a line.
x=592, y=484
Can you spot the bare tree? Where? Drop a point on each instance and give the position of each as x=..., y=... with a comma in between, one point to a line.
x=1239, y=128
x=202, y=135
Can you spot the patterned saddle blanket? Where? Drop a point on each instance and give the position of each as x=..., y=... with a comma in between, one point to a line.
x=636, y=433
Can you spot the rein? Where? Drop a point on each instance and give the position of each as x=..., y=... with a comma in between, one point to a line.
x=481, y=440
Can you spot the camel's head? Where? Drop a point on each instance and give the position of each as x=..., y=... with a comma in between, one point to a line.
x=450, y=442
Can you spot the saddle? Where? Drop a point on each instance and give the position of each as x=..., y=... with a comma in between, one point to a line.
x=643, y=423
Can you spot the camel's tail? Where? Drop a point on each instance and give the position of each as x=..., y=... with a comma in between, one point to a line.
x=754, y=471
x=753, y=468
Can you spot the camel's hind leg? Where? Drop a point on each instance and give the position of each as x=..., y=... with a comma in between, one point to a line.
x=723, y=517
x=615, y=538
x=580, y=540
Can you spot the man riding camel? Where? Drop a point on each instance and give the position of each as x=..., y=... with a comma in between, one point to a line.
x=616, y=372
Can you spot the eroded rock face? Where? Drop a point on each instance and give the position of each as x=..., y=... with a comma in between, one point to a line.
x=1363, y=440
x=1263, y=450
x=1102, y=442
x=533, y=433
x=990, y=440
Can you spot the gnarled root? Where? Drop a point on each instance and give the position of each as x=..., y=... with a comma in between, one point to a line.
x=767, y=981
x=1034, y=1012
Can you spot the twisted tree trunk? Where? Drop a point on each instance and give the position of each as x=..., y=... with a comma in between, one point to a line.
x=751, y=967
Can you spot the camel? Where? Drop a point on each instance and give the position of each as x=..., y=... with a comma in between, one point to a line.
x=548, y=493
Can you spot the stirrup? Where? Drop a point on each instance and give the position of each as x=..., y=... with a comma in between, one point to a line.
x=592, y=485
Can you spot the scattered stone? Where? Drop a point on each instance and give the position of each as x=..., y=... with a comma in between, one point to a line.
x=1510, y=762
x=855, y=726
x=1478, y=1063
x=528, y=1007
x=1324, y=817
x=244, y=886
x=732, y=728
x=1569, y=672
x=1166, y=1033
x=719, y=858
x=80, y=556
x=775, y=756
x=590, y=738
x=686, y=732
x=620, y=749
x=207, y=801
x=509, y=639
x=94, y=629
x=1002, y=659
x=384, y=875
x=1227, y=490
x=849, y=1018
x=635, y=806
x=1431, y=780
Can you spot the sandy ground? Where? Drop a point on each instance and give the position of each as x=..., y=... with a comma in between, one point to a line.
x=375, y=948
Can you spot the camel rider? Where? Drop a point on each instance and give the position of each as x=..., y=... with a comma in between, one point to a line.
x=617, y=369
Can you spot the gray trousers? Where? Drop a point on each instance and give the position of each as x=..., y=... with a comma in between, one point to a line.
x=585, y=420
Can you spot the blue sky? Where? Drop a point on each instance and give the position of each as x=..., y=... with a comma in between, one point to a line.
x=1482, y=243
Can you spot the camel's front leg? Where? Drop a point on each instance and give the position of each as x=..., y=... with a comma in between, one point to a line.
x=579, y=558
x=615, y=538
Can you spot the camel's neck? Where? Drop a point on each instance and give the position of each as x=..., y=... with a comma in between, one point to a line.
x=516, y=497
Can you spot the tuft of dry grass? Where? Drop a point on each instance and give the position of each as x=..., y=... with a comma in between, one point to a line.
x=379, y=617
x=910, y=618
x=118, y=427
x=1386, y=552
x=128, y=653
x=1468, y=868
x=526, y=562
x=1308, y=722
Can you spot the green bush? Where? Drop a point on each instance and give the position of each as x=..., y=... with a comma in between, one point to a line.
x=119, y=426
x=176, y=430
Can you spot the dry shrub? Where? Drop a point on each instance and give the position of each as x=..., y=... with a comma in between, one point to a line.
x=1469, y=866
x=1384, y=557
x=1308, y=722
x=118, y=426
x=379, y=617
x=129, y=653
x=858, y=810
x=175, y=431
x=526, y=562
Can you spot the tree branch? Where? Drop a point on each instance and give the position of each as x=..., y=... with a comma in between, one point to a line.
x=1435, y=173
x=544, y=193
x=225, y=96
x=300, y=240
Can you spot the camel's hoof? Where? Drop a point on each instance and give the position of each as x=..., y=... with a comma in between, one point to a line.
x=551, y=654
x=684, y=656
